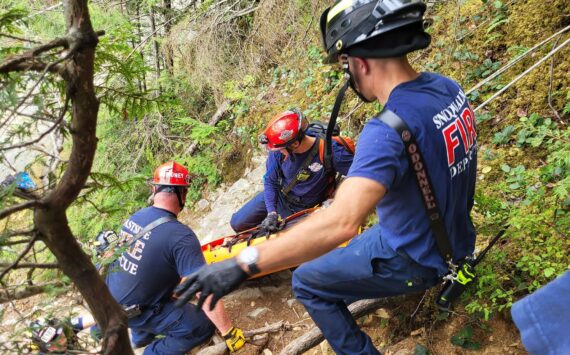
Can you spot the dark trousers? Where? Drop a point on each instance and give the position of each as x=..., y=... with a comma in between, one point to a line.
x=181, y=329
x=367, y=268
x=254, y=212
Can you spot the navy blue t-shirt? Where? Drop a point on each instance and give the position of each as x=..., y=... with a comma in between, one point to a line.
x=440, y=117
x=311, y=191
x=152, y=268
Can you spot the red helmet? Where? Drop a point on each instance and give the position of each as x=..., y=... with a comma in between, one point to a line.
x=171, y=174
x=284, y=129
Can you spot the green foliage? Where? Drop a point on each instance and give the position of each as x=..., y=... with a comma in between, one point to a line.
x=533, y=199
x=464, y=339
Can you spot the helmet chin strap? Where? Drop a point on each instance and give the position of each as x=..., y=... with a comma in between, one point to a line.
x=352, y=82
x=291, y=154
x=179, y=195
x=348, y=82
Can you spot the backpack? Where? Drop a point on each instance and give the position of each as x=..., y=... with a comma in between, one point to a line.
x=319, y=130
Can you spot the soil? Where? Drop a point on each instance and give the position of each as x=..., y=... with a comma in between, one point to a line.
x=392, y=330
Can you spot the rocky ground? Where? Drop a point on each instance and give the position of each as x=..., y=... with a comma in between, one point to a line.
x=409, y=327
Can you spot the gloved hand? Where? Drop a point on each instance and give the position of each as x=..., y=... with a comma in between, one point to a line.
x=272, y=223
x=234, y=339
x=217, y=279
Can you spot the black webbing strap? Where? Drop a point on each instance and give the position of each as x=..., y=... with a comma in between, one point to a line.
x=330, y=128
x=152, y=225
x=419, y=168
x=303, y=167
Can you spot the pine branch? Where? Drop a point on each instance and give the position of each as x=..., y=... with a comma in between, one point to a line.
x=20, y=257
x=19, y=207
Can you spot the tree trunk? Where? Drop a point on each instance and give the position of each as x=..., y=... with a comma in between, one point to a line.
x=169, y=57
x=156, y=49
x=51, y=220
x=140, y=36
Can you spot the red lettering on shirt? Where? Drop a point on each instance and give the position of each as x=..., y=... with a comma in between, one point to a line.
x=450, y=142
x=467, y=116
x=459, y=125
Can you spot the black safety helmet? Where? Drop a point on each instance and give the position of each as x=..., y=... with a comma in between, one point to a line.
x=373, y=28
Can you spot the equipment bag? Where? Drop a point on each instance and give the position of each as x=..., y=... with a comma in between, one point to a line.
x=319, y=130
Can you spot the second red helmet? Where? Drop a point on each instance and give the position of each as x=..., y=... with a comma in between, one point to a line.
x=284, y=129
x=171, y=174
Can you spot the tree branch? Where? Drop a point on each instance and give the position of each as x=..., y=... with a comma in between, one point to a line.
x=15, y=62
x=17, y=208
x=20, y=257
x=28, y=60
x=45, y=133
x=31, y=265
x=14, y=242
x=15, y=294
x=20, y=233
x=18, y=38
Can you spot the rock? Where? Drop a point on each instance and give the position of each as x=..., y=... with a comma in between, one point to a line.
x=245, y=294
x=284, y=289
x=202, y=205
x=260, y=337
x=417, y=332
x=382, y=313
x=403, y=352
x=296, y=329
x=256, y=313
x=267, y=352
x=291, y=302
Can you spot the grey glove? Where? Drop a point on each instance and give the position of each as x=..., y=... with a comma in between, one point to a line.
x=272, y=223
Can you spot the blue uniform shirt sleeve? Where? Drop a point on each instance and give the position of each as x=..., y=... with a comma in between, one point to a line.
x=342, y=159
x=379, y=155
x=544, y=316
x=188, y=255
x=271, y=182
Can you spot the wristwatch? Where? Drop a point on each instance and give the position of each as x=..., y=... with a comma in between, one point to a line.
x=249, y=257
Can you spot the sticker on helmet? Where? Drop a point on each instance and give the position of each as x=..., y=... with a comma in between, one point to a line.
x=315, y=167
x=286, y=134
x=48, y=334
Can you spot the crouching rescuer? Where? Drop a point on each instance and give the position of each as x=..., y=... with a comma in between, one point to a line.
x=301, y=173
x=415, y=163
x=159, y=252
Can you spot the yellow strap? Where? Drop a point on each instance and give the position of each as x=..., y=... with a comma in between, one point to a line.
x=338, y=8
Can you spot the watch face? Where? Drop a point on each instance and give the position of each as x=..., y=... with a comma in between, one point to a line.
x=248, y=256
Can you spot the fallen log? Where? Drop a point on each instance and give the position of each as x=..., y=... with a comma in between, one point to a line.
x=224, y=107
x=358, y=309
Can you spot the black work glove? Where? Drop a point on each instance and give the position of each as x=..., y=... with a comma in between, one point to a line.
x=272, y=223
x=217, y=279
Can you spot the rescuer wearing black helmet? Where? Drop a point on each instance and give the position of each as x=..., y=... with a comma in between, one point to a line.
x=415, y=162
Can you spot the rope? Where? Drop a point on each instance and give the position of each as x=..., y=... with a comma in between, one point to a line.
x=516, y=60
x=550, y=54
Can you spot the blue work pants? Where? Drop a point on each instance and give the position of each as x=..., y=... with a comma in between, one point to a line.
x=366, y=268
x=254, y=212
x=543, y=318
x=182, y=330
